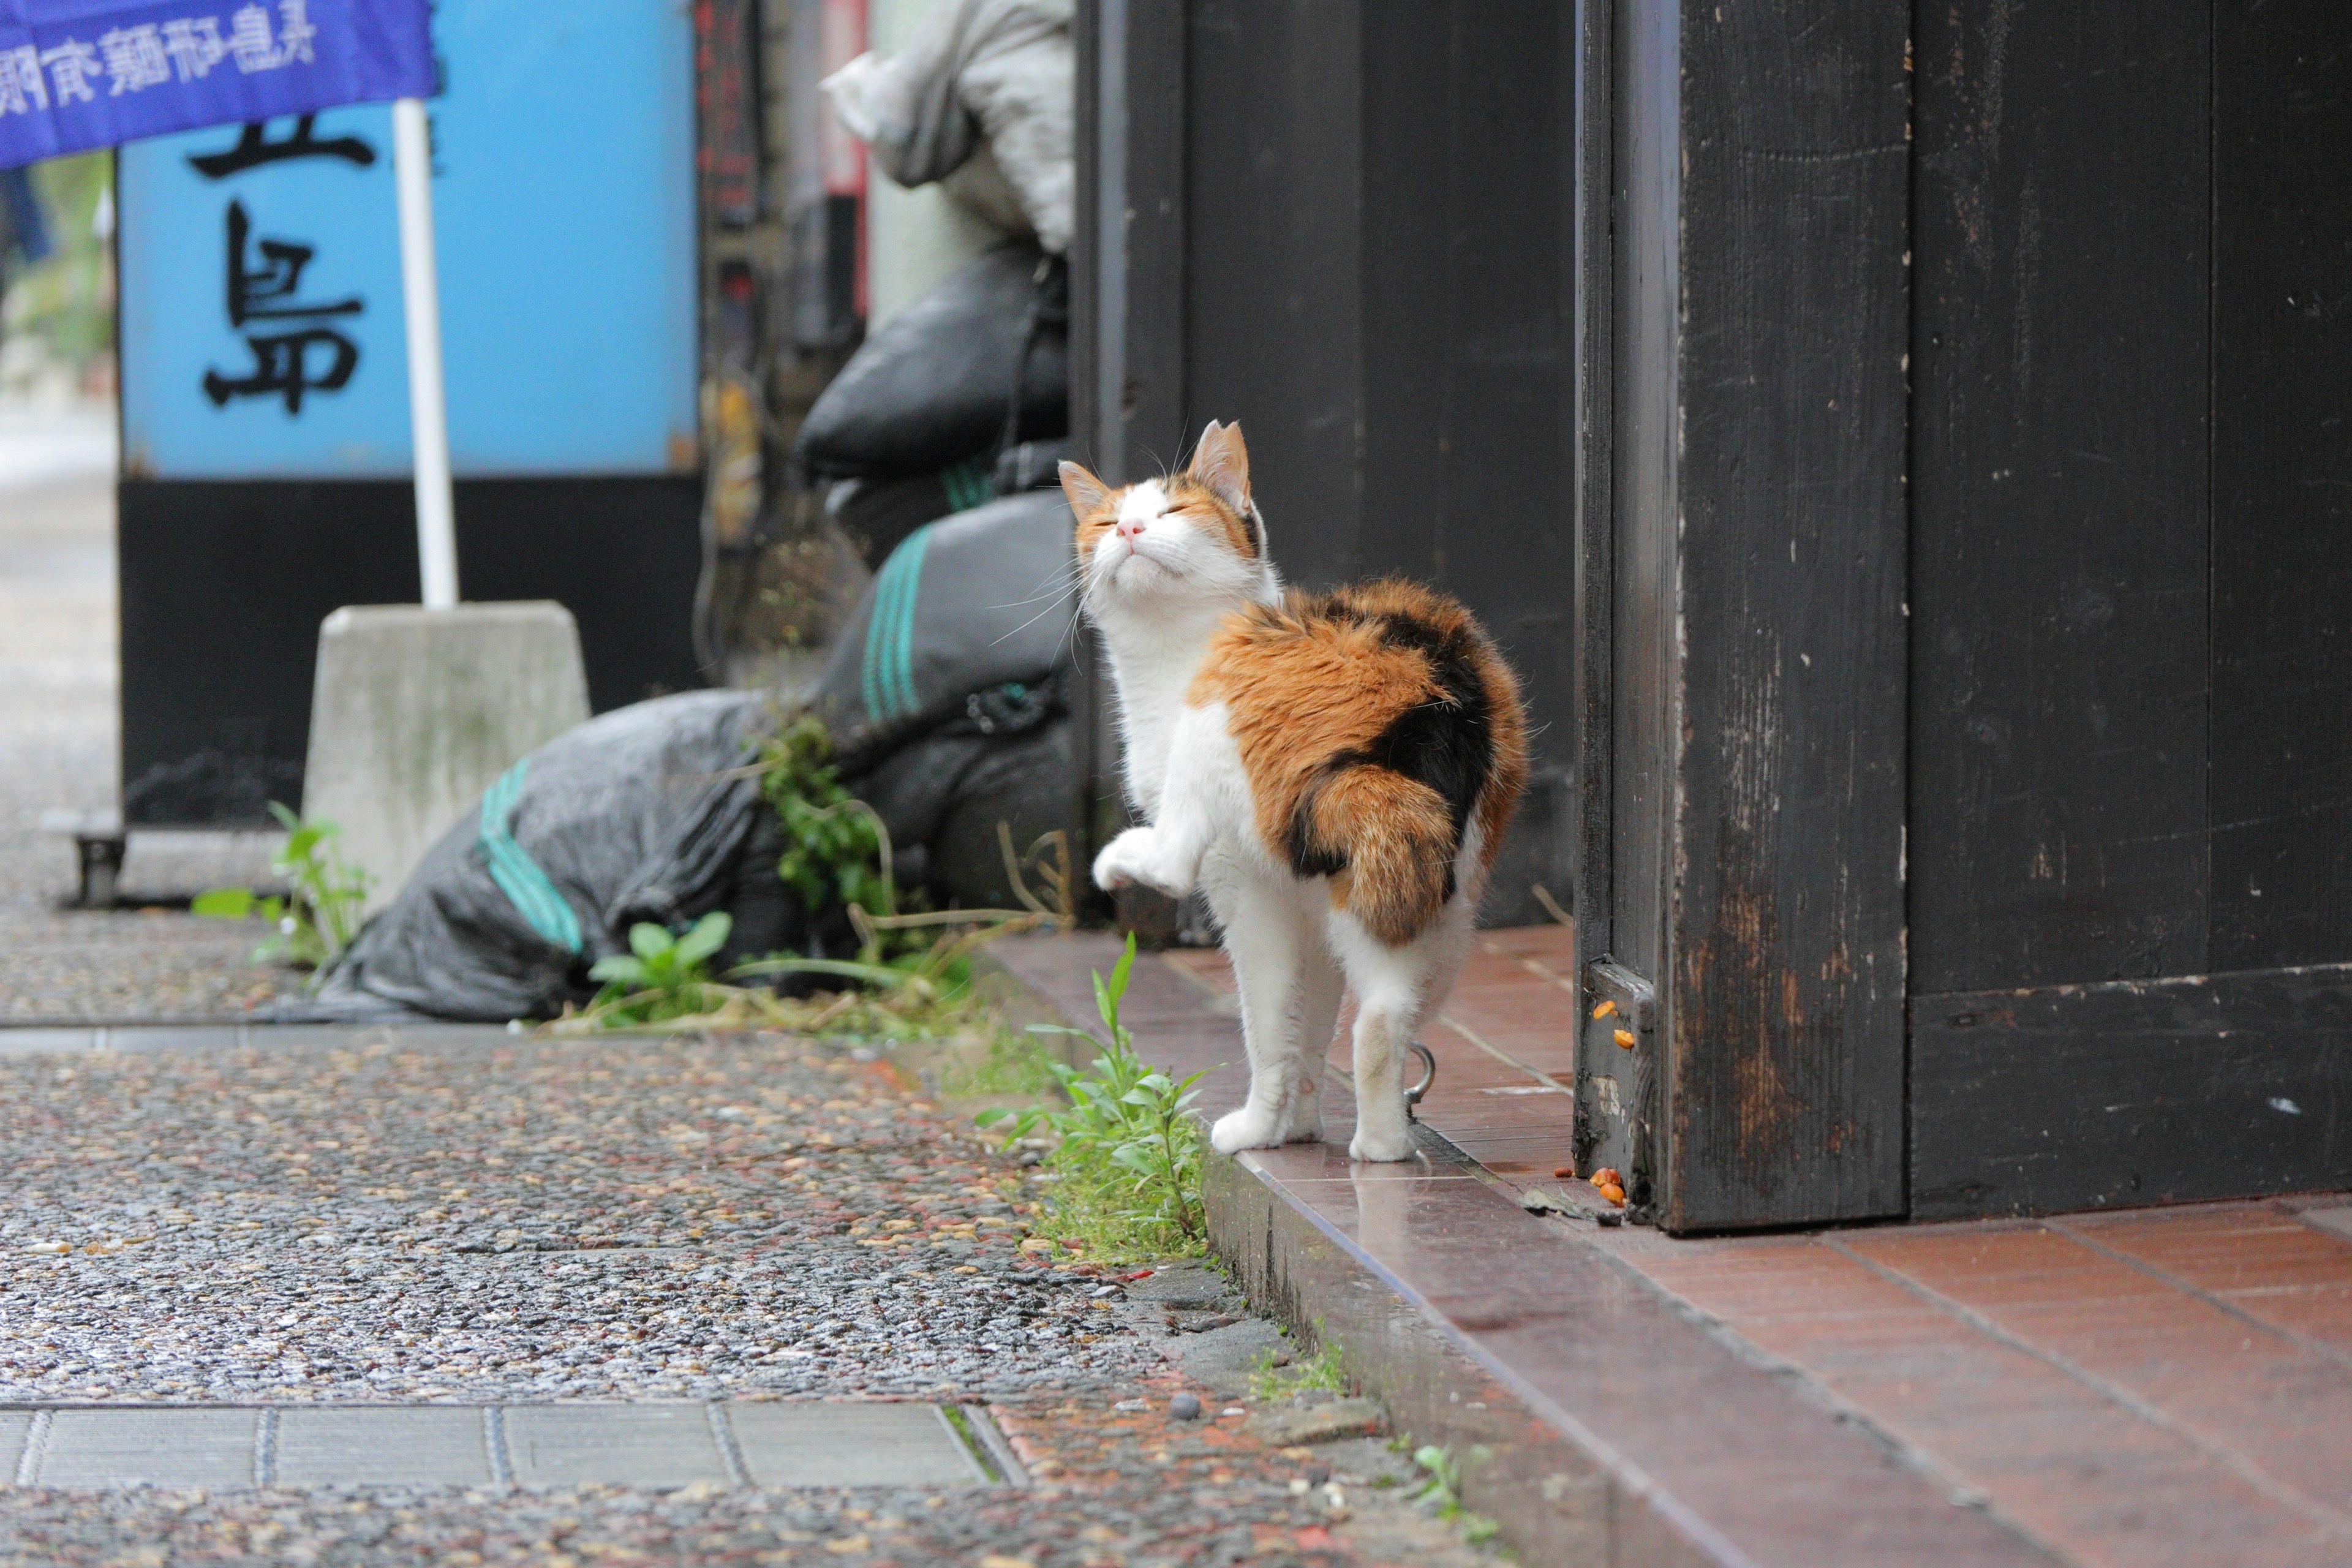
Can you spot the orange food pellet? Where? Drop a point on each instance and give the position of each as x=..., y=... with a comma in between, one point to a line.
x=1606, y=1176
x=1566, y=1173
x=1625, y=1038
x=1613, y=1193
x=1604, y=1009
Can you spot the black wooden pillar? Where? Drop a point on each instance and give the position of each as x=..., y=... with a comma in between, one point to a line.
x=1753, y=668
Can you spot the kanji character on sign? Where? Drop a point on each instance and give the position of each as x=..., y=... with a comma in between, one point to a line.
x=282, y=368
x=71, y=65
x=194, y=45
x=250, y=41
x=134, y=58
x=294, y=31
x=269, y=290
x=254, y=149
x=21, y=87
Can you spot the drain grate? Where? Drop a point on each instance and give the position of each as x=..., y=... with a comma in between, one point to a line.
x=648, y=1445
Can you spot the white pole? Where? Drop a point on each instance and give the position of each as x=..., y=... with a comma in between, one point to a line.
x=428, y=416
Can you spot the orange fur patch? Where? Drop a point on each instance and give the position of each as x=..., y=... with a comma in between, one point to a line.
x=1312, y=687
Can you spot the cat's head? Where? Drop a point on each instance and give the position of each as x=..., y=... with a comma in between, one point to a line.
x=1164, y=547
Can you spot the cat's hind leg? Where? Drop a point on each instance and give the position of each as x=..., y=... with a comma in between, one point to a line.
x=1268, y=947
x=1397, y=988
x=1321, y=985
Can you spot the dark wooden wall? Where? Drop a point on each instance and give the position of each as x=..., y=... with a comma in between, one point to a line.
x=2132, y=601
x=1346, y=226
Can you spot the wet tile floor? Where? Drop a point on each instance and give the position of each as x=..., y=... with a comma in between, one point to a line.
x=2139, y=1388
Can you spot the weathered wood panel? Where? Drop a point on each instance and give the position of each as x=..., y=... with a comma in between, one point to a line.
x=1592, y=204
x=2281, y=539
x=1127, y=302
x=1645, y=198
x=2059, y=502
x=1274, y=223
x=1468, y=286
x=2131, y=1092
x=1785, y=993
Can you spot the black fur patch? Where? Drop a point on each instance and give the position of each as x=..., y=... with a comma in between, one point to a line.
x=1446, y=743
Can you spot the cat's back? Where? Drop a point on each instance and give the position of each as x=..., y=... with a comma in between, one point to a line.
x=1388, y=674
x=1350, y=660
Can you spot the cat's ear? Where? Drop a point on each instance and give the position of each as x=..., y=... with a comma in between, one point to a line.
x=1085, y=492
x=1222, y=463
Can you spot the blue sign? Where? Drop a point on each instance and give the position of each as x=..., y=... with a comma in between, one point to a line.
x=262, y=330
x=76, y=74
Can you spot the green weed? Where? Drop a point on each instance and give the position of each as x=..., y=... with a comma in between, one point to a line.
x=662, y=977
x=1271, y=1383
x=1127, y=1147
x=1441, y=1493
x=320, y=912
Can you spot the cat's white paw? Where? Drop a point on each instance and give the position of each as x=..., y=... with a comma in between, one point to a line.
x=1248, y=1127
x=1302, y=1120
x=1381, y=1143
x=1122, y=861
x=1134, y=857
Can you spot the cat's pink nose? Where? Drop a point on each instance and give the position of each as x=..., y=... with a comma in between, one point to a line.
x=1131, y=528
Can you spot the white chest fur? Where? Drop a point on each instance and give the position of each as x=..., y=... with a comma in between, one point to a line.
x=1153, y=666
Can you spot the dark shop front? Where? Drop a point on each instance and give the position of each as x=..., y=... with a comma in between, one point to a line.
x=1905, y=450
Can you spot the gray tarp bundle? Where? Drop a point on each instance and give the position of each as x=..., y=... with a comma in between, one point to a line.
x=978, y=364
x=947, y=696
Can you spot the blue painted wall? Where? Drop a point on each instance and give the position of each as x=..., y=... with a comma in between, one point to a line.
x=563, y=196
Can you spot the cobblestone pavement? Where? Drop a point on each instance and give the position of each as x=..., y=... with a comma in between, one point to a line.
x=58, y=749
x=469, y=1216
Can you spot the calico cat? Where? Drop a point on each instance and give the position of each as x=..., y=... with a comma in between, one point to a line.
x=1335, y=771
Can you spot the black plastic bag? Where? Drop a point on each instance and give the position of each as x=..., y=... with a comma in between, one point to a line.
x=967, y=619
x=648, y=813
x=980, y=363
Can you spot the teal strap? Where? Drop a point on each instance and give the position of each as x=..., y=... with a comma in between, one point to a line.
x=888, y=676
x=519, y=876
x=968, y=484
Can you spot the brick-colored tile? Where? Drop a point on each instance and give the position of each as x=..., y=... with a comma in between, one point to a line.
x=2090, y=1478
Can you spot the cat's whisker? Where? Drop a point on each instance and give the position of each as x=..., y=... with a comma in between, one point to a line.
x=1027, y=623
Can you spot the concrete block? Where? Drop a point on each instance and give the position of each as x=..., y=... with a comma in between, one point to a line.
x=437, y=1446
x=649, y=1446
x=414, y=712
x=124, y=1448
x=809, y=1443
x=16, y=1426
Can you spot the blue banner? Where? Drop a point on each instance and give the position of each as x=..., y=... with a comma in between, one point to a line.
x=76, y=74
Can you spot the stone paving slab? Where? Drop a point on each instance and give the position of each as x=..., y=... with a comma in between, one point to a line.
x=423, y=1446
x=801, y=1445
x=15, y=1427
x=652, y=1447
x=643, y=1446
x=95, y=1450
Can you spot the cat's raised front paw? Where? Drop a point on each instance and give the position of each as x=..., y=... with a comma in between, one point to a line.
x=1247, y=1128
x=1134, y=857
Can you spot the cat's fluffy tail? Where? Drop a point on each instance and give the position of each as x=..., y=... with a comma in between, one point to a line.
x=1393, y=838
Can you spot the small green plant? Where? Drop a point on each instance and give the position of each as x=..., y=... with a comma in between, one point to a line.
x=912, y=972
x=1441, y=1494
x=1272, y=1381
x=1126, y=1142
x=318, y=915
x=835, y=846
x=662, y=975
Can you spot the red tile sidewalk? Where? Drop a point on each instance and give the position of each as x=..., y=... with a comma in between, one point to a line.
x=2140, y=1389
